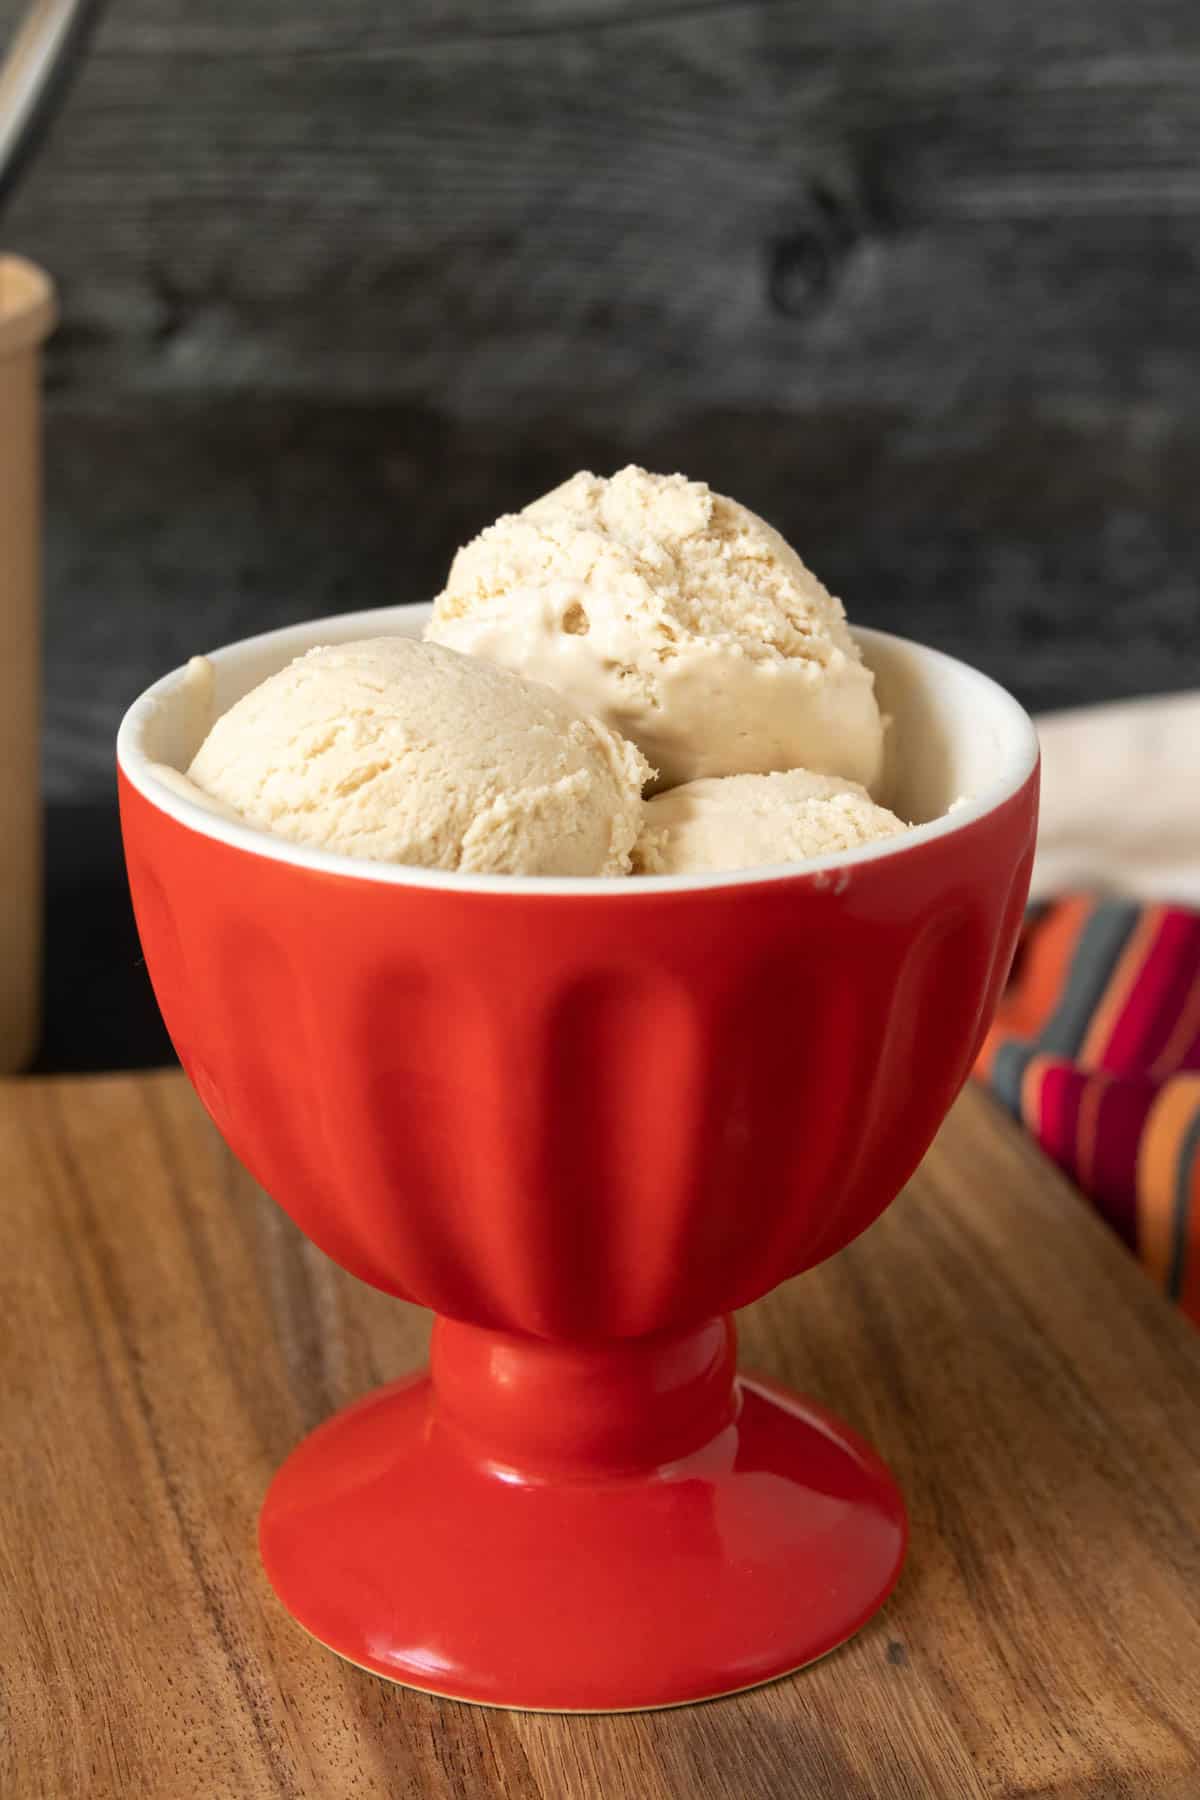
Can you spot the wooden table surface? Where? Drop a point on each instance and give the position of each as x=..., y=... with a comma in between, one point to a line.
x=167, y=1336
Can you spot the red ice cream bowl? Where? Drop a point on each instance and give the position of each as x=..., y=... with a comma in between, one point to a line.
x=584, y=1121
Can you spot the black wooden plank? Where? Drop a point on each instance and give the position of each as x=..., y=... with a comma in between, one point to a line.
x=1064, y=561
x=918, y=278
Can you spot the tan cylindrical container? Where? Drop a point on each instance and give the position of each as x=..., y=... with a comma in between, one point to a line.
x=26, y=315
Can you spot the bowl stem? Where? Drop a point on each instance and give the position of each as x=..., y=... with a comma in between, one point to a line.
x=545, y=1409
x=582, y=1526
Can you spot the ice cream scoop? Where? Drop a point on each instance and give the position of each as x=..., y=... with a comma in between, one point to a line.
x=400, y=751
x=679, y=618
x=742, y=821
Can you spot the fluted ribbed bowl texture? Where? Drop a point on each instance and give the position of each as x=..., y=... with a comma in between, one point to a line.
x=586, y=1110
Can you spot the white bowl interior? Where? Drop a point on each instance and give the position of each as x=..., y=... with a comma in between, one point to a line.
x=954, y=736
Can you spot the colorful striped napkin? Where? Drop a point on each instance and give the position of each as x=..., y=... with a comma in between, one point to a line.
x=1096, y=1049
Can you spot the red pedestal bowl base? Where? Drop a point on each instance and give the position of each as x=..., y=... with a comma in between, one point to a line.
x=498, y=1534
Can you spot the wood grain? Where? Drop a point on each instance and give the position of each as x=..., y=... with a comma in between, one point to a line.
x=916, y=278
x=166, y=1336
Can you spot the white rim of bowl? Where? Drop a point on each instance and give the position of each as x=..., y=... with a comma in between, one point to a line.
x=1019, y=762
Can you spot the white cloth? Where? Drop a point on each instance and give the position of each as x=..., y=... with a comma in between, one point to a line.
x=1121, y=799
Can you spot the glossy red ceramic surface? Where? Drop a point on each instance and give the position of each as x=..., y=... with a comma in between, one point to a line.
x=577, y=1123
x=582, y=1529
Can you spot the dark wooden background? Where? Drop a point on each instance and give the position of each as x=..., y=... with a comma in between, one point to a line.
x=919, y=279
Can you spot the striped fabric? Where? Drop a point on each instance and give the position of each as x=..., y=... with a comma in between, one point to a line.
x=1096, y=1049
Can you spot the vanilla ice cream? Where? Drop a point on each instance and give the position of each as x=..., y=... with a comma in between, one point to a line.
x=677, y=617
x=407, y=752
x=743, y=821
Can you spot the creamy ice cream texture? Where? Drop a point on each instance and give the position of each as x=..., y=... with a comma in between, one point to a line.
x=679, y=618
x=407, y=752
x=642, y=610
x=741, y=821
